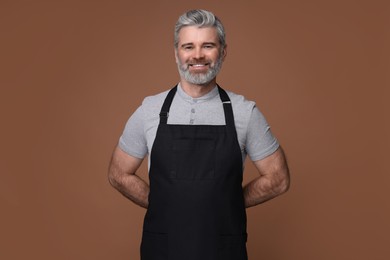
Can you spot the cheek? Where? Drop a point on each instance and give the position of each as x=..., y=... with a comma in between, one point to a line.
x=214, y=56
x=180, y=58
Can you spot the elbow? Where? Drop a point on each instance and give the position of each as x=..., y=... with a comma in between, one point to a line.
x=113, y=179
x=284, y=183
x=284, y=175
x=284, y=186
x=280, y=183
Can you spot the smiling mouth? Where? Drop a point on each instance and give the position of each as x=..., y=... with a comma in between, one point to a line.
x=198, y=65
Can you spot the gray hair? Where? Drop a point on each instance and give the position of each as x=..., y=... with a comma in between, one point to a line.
x=201, y=18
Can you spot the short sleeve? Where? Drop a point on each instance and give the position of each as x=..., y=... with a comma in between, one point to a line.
x=133, y=141
x=260, y=141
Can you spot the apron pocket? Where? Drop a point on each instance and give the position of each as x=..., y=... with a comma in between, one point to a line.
x=154, y=246
x=193, y=159
x=232, y=247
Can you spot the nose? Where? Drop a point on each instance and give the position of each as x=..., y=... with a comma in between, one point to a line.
x=198, y=53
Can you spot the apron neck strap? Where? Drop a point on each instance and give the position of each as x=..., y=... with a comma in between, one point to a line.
x=164, y=113
x=227, y=107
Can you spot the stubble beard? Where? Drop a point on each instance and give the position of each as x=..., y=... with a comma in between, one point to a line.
x=200, y=78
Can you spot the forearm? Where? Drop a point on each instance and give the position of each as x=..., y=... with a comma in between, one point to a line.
x=133, y=188
x=262, y=189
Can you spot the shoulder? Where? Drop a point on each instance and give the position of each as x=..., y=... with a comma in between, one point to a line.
x=155, y=100
x=240, y=103
x=151, y=105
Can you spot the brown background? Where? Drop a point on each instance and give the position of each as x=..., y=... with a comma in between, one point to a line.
x=72, y=72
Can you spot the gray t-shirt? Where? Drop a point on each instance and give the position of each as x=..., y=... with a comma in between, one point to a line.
x=253, y=132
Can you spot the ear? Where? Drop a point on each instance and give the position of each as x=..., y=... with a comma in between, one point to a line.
x=224, y=53
x=176, y=58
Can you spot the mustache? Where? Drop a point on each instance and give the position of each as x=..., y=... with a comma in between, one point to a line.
x=203, y=62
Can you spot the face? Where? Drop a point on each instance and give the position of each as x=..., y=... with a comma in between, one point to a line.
x=199, y=55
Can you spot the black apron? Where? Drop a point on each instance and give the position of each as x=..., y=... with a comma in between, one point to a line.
x=196, y=206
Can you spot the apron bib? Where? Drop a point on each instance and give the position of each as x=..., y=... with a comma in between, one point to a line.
x=196, y=206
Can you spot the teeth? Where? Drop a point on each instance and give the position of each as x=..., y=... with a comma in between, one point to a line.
x=198, y=65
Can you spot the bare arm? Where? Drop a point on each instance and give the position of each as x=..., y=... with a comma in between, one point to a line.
x=273, y=180
x=121, y=175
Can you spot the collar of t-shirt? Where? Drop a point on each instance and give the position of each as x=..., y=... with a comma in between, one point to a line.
x=201, y=99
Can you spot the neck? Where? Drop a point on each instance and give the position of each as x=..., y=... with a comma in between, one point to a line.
x=196, y=91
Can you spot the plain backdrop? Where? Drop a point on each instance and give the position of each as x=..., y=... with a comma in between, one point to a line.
x=72, y=72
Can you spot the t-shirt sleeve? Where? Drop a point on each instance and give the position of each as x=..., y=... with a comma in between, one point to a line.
x=133, y=141
x=260, y=141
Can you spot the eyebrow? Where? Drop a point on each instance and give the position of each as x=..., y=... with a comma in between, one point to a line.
x=186, y=44
x=205, y=43
x=210, y=43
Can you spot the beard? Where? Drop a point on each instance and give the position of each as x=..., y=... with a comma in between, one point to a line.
x=200, y=78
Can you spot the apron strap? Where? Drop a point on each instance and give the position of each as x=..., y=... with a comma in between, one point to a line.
x=164, y=113
x=227, y=107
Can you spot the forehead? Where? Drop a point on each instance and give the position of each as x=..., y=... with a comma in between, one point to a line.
x=194, y=34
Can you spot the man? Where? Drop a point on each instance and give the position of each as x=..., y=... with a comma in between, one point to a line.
x=197, y=136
